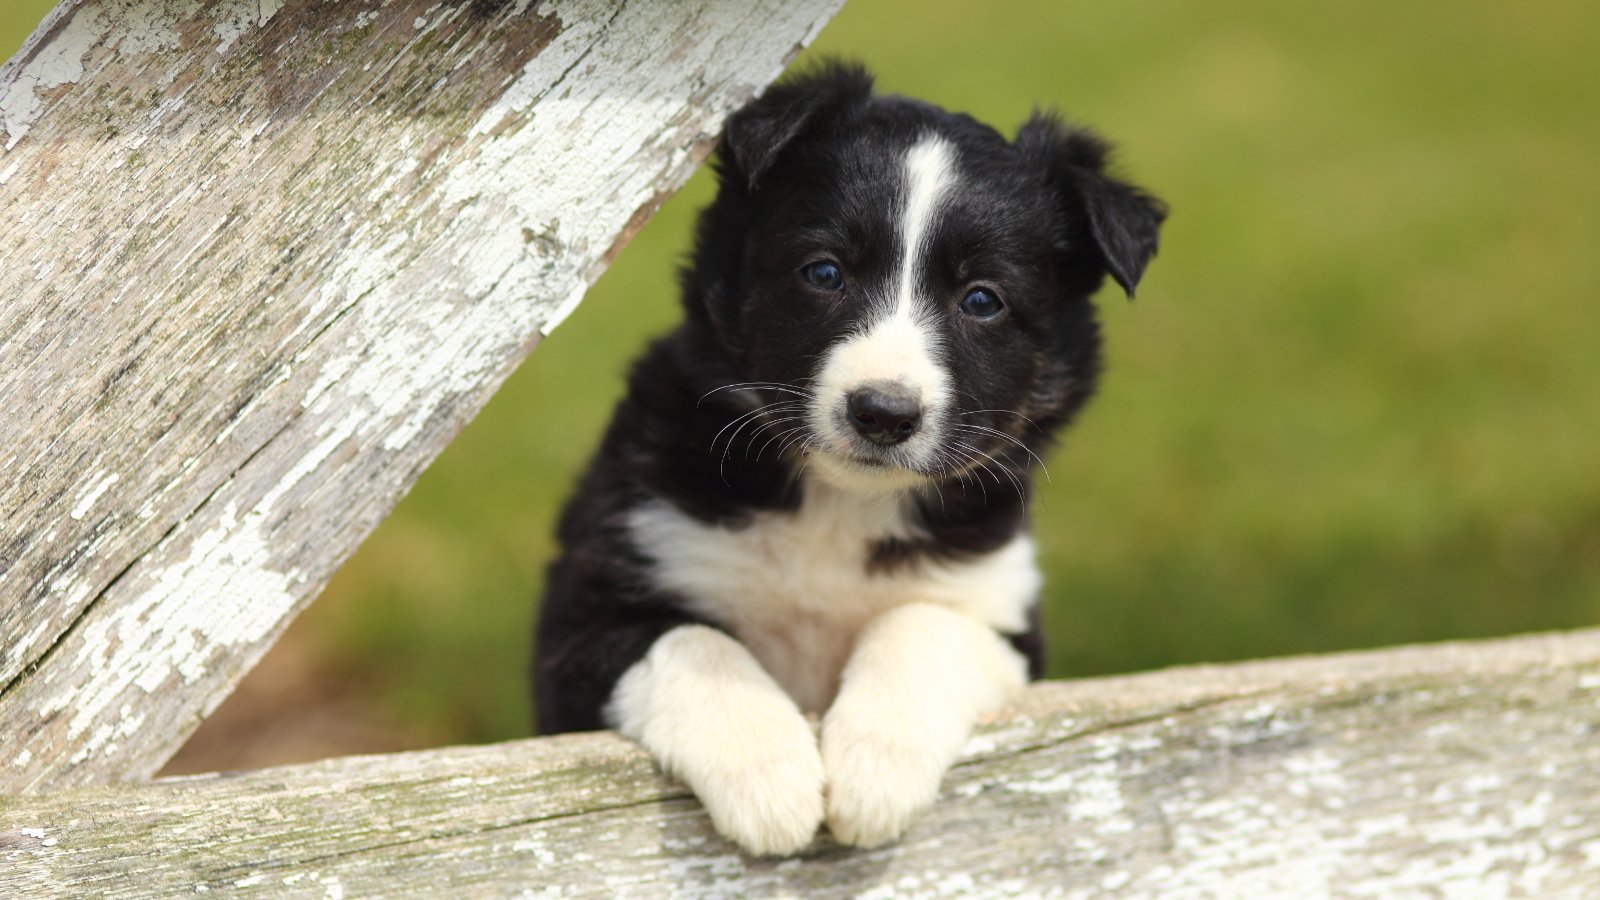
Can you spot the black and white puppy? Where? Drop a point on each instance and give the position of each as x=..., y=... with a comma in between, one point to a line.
x=814, y=496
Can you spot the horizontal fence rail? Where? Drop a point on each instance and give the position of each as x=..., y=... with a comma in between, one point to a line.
x=1467, y=769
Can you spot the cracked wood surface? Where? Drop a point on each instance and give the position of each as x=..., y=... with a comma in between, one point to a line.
x=261, y=260
x=1457, y=769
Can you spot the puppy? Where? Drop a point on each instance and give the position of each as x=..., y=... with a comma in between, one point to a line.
x=814, y=496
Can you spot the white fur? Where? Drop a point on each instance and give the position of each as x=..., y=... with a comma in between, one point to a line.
x=920, y=676
x=793, y=586
x=902, y=661
x=712, y=717
x=899, y=350
x=928, y=176
x=899, y=347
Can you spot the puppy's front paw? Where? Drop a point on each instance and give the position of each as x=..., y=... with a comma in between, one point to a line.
x=877, y=784
x=713, y=717
x=770, y=801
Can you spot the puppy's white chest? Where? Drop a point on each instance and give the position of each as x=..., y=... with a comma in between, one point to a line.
x=796, y=587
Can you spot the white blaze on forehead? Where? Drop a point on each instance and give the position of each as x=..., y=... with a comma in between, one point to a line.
x=899, y=346
x=928, y=176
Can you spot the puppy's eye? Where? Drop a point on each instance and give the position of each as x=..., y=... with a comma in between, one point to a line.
x=824, y=274
x=981, y=303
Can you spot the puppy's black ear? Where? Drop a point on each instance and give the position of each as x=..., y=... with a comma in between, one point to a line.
x=757, y=134
x=1124, y=220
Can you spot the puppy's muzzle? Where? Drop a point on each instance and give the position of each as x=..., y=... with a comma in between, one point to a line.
x=885, y=413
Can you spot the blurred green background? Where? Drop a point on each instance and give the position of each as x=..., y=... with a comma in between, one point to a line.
x=1357, y=402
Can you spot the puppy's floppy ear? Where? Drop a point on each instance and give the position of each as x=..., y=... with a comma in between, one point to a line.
x=757, y=134
x=1124, y=220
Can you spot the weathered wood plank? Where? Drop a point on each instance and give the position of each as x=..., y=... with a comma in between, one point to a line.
x=260, y=262
x=1464, y=769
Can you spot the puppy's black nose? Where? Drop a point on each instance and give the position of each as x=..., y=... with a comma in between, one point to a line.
x=885, y=414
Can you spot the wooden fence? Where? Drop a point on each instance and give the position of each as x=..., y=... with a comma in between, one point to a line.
x=1465, y=770
x=262, y=262
x=262, y=259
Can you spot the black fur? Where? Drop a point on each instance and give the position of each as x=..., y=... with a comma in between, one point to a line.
x=812, y=168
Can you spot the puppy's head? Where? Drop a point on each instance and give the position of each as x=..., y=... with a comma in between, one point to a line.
x=920, y=283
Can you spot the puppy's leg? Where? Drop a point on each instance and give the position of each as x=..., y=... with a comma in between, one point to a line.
x=714, y=718
x=918, y=679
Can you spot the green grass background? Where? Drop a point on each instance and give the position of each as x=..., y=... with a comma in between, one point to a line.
x=1356, y=403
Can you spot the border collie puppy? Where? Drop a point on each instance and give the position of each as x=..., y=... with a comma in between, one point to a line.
x=814, y=496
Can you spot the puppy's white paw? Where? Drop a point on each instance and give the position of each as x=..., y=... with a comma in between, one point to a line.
x=713, y=717
x=919, y=676
x=877, y=784
x=768, y=802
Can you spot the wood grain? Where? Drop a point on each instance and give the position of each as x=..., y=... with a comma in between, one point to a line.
x=261, y=260
x=1452, y=770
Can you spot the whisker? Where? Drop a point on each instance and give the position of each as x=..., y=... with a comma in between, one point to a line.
x=742, y=421
x=1021, y=445
x=1007, y=472
x=960, y=468
x=982, y=491
x=968, y=394
x=775, y=435
x=1007, y=412
x=778, y=436
x=943, y=461
x=803, y=438
x=728, y=447
x=783, y=388
x=770, y=423
x=972, y=456
x=757, y=386
x=748, y=415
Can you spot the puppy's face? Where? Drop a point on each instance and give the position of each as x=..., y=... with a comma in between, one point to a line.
x=920, y=281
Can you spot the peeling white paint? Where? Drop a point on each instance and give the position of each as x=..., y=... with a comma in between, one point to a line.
x=541, y=73
x=429, y=313
x=1319, y=772
x=220, y=597
x=55, y=64
x=1532, y=814
x=537, y=849
x=1046, y=782
x=149, y=27
x=1260, y=712
x=38, y=834
x=1210, y=820
x=1116, y=881
x=124, y=29
x=564, y=309
x=236, y=18
x=986, y=742
x=93, y=492
x=1146, y=744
